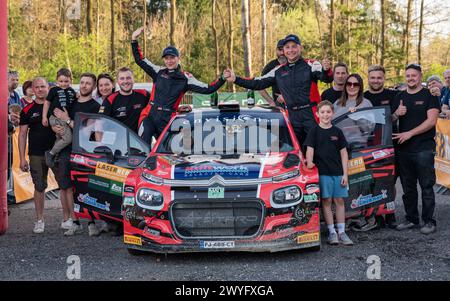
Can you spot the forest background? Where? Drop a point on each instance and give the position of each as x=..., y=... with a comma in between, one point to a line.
x=94, y=35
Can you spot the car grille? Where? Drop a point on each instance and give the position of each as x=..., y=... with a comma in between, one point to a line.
x=217, y=219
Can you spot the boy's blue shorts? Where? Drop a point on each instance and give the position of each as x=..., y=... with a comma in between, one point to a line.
x=330, y=187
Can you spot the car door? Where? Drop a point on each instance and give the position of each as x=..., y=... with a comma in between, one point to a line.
x=104, y=152
x=371, y=165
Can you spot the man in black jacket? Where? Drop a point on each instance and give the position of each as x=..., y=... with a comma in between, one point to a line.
x=170, y=83
x=297, y=81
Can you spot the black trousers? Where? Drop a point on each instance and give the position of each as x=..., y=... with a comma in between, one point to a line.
x=154, y=124
x=418, y=167
x=302, y=121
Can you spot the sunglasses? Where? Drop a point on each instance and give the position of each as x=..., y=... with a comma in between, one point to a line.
x=350, y=84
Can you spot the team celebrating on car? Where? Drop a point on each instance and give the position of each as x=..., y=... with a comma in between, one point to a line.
x=48, y=122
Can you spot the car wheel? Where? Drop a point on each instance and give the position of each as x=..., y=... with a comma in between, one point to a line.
x=135, y=252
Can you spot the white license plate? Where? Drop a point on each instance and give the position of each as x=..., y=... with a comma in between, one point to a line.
x=216, y=244
x=216, y=192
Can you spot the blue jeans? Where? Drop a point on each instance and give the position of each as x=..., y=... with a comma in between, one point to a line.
x=418, y=167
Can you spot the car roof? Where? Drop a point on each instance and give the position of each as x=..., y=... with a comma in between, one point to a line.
x=256, y=110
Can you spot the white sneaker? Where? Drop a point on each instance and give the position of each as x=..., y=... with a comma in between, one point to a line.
x=39, y=227
x=74, y=229
x=67, y=224
x=93, y=230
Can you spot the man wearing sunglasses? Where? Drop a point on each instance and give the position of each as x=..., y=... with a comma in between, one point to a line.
x=417, y=112
x=281, y=59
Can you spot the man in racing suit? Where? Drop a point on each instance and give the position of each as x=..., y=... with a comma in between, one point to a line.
x=170, y=83
x=297, y=80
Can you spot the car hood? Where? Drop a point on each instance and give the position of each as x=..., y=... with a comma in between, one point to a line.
x=201, y=167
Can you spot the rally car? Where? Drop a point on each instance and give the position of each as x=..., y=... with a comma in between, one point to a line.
x=222, y=179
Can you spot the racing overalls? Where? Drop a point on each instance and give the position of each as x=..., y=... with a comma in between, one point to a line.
x=169, y=86
x=298, y=85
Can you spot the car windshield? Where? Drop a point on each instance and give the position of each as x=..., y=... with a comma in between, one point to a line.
x=227, y=133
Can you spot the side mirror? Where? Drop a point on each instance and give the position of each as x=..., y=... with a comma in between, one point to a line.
x=150, y=163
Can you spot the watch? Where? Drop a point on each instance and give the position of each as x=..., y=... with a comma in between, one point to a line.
x=68, y=121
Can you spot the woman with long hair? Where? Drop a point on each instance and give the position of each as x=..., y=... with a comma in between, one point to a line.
x=105, y=87
x=352, y=97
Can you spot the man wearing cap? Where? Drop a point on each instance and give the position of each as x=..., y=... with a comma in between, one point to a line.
x=170, y=83
x=281, y=59
x=297, y=81
x=417, y=112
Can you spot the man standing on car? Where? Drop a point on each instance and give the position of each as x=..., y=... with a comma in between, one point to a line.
x=417, y=111
x=297, y=81
x=169, y=85
x=281, y=59
x=126, y=104
x=84, y=104
x=340, y=73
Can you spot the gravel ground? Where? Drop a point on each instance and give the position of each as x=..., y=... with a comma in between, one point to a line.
x=405, y=255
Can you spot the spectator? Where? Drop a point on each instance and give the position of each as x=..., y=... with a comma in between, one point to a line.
x=445, y=97
x=28, y=94
x=40, y=139
x=105, y=87
x=13, y=83
x=60, y=97
x=340, y=73
x=352, y=97
x=84, y=104
x=417, y=111
x=434, y=84
x=281, y=59
x=327, y=148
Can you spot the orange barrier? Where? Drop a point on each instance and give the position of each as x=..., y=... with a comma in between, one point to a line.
x=442, y=158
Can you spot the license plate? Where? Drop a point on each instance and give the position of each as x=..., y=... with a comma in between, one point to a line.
x=216, y=192
x=216, y=244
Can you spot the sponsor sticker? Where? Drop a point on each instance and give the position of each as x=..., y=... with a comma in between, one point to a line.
x=306, y=238
x=312, y=188
x=310, y=198
x=76, y=208
x=380, y=154
x=216, y=244
x=364, y=177
x=111, y=172
x=390, y=206
x=88, y=200
x=105, y=185
x=128, y=201
x=363, y=200
x=79, y=159
x=356, y=166
x=216, y=192
x=132, y=240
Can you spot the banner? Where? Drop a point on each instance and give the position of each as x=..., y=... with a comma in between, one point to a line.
x=23, y=184
x=442, y=158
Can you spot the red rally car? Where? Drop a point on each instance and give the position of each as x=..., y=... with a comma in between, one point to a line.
x=222, y=179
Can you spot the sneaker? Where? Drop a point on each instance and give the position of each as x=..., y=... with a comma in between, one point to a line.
x=93, y=230
x=428, y=228
x=407, y=225
x=67, y=224
x=73, y=230
x=345, y=240
x=39, y=227
x=333, y=239
x=104, y=228
x=49, y=159
x=370, y=224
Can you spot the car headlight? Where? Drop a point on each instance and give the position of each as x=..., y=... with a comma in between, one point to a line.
x=283, y=177
x=151, y=178
x=150, y=199
x=286, y=197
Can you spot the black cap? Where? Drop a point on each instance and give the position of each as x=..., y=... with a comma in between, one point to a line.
x=280, y=43
x=414, y=66
x=171, y=50
x=291, y=38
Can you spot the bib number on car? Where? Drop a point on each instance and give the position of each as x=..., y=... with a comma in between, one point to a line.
x=216, y=192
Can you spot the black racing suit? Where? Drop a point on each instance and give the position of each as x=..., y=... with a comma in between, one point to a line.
x=168, y=90
x=298, y=86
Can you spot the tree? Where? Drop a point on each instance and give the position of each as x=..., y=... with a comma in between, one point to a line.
x=332, y=41
x=264, y=31
x=246, y=44
x=214, y=30
x=173, y=15
x=230, y=39
x=88, y=17
x=406, y=33
x=419, y=45
x=113, y=52
x=383, y=29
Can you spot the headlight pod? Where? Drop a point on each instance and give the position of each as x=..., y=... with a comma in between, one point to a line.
x=286, y=197
x=150, y=199
x=286, y=176
x=151, y=178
